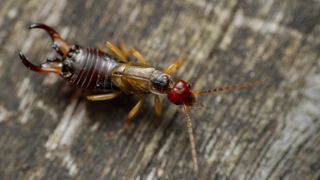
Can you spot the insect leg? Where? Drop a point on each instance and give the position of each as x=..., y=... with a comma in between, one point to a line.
x=115, y=50
x=124, y=49
x=174, y=66
x=131, y=52
x=157, y=105
x=103, y=97
x=134, y=110
x=139, y=57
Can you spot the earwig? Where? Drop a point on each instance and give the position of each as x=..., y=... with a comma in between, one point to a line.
x=112, y=72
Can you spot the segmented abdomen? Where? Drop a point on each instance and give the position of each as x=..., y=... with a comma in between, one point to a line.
x=92, y=70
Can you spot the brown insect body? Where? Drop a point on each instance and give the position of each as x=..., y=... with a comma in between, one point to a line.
x=95, y=69
x=92, y=69
x=88, y=68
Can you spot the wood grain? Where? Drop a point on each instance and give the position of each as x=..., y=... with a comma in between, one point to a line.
x=49, y=131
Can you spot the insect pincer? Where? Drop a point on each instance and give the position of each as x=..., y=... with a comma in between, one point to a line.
x=58, y=44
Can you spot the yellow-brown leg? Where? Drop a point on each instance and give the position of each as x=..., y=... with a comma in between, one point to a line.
x=131, y=52
x=139, y=57
x=157, y=105
x=115, y=50
x=124, y=49
x=133, y=112
x=174, y=66
x=103, y=97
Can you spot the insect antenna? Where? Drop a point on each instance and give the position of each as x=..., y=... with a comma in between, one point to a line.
x=228, y=87
x=191, y=137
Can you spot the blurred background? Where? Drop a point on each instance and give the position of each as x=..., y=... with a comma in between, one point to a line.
x=49, y=131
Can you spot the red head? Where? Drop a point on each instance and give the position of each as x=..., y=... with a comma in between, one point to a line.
x=180, y=94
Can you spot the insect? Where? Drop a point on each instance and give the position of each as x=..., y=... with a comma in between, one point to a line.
x=114, y=73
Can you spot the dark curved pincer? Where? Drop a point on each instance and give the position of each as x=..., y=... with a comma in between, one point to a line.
x=58, y=44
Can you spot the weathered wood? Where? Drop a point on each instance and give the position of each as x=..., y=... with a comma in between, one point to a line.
x=49, y=131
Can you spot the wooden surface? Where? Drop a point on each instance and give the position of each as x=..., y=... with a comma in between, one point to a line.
x=49, y=131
